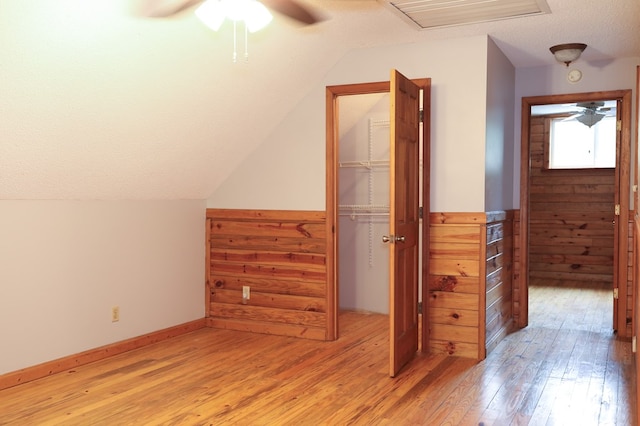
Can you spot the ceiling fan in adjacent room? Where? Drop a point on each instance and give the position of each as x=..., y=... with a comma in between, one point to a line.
x=591, y=113
x=290, y=8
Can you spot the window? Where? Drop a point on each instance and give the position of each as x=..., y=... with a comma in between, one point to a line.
x=574, y=145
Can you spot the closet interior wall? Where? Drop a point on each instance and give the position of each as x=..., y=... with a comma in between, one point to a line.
x=363, y=184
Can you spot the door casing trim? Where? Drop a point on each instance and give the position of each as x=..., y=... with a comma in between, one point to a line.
x=623, y=168
x=331, y=95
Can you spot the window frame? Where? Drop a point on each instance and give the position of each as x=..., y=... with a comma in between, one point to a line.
x=546, y=161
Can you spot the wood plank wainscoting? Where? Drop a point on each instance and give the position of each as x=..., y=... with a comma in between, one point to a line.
x=630, y=299
x=470, y=282
x=571, y=236
x=627, y=304
x=636, y=289
x=499, y=278
x=517, y=283
x=281, y=257
x=571, y=228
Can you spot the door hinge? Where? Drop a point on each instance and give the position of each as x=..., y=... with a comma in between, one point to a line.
x=615, y=293
x=421, y=116
x=420, y=212
x=619, y=125
x=420, y=308
x=617, y=210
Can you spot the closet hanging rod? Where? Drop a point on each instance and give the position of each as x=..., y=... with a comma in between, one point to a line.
x=368, y=164
x=363, y=207
x=367, y=214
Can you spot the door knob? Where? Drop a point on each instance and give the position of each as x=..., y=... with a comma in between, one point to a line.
x=391, y=238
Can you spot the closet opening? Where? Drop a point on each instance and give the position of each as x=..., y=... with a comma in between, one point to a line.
x=361, y=166
x=363, y=203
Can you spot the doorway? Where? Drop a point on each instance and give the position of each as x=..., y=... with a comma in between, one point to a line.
x=334, y=94
x=363, y=202
x=580, y=213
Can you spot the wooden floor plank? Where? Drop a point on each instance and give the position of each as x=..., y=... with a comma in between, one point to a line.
x=562, y=370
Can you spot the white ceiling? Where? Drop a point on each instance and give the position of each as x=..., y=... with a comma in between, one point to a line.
x=96, y=103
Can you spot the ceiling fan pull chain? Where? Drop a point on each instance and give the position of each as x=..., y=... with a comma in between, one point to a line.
x=235, y=42
x=246, y=42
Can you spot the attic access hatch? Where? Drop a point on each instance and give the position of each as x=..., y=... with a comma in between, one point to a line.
x=444, y=13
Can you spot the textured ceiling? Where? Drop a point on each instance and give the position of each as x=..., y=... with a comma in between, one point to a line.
x=95, y=103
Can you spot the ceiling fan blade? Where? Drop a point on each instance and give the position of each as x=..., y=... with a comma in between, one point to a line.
x=573, y=116
x=293, y=10
x=167, y=8
x=164, y=8
x=590, y=105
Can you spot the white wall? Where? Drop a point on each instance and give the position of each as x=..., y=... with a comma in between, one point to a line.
x=64, y=264
x=617, y=74
x=500, y=136
x=288, y=170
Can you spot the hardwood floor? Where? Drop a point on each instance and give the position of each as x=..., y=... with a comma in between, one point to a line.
x=566, y=368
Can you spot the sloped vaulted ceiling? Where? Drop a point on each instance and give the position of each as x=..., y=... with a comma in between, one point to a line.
x=98, y=104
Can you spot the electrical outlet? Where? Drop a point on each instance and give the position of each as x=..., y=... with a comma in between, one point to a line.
x=246, y=292
x=115, y=314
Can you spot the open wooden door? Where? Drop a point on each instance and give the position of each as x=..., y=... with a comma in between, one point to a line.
x=622, y=178
x=404, y=217
x=617, y=325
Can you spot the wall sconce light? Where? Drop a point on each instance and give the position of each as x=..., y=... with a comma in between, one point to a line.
x=568, y=52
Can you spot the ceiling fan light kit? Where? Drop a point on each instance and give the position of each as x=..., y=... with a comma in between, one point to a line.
x=590, y=119
x=254, y=14
x=567, y=52
x=592, y=112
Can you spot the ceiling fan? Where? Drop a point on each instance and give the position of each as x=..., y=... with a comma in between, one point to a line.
x=591, y=113
x=167, y=8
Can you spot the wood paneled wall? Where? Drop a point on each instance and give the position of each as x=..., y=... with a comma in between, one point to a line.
x=628, y=303
x=470, y=282
x=281, y=257
x=499, y=278
x=630, y=293
x=571, y=235
x=517, y=282
x=636, y=291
